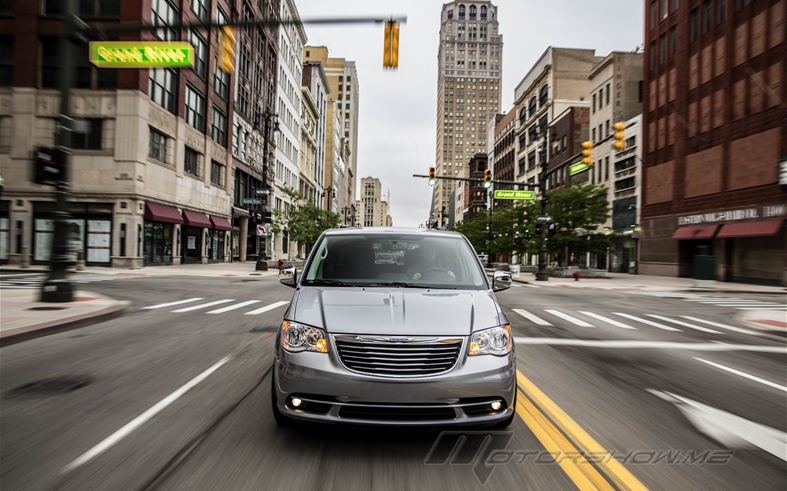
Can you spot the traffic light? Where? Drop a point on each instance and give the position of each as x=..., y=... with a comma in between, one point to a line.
x=391, y=45
x=620, y=136
x=488, y=178
x=539, y=228
x=587, y=153
x=227, y=49
x=552, y=230
x=432, y=176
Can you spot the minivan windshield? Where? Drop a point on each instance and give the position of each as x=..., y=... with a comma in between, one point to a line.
x=410, y=261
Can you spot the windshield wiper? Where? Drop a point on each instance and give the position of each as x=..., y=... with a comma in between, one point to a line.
x=404, y=284
x=328, y=282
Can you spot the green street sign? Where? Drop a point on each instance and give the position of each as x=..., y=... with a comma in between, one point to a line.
x=577, y=168
x=506, y=194
x=251, y=201
x=141, y=54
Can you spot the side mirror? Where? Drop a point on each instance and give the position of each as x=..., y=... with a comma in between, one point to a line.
x=288, y=277
x=501, y=280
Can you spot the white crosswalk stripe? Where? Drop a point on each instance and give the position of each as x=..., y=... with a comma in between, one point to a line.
x=204, y=305
x=684, y=324
x=607, y=320
x=723, y=326
x=648, y=322
x=728, y=302
x=267, y=308
x=172, y=304
x=233, y=307
x=34, y=280
x=570, y=319
x=532, y=317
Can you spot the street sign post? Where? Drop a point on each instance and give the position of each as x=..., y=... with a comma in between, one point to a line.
x=49, y=169
x=577, y=168
x=141, y=54
x=544, y=219
x=509, y=194
x=252, y=201
x=263, y=191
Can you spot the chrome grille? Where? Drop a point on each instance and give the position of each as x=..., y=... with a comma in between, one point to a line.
x=401, y=357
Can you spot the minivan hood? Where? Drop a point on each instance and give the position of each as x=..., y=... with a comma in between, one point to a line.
x=395, y=311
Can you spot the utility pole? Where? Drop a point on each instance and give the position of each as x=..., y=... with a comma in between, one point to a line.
x=57, y=287
x=542, y=274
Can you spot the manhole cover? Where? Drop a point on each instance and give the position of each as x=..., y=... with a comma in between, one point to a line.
x=47, y=308
x=56, y=385
x=264, y=329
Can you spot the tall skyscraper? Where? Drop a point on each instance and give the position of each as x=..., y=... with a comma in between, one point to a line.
x=468, y=91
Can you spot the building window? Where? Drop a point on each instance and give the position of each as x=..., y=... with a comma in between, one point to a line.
x=673, y=41
x=195, y=109
x=523, y=115
x=739, y=4
x=663, y=10
x=191, y=162
x=217, y=171
x=200, y=10
x=673, y=6
x=218, y=128
x=6, y=60
x=707, y=16
x=523, y=140
x=472, y=12
x=654, y=14
x=53, y=8
x=593, y=137
x=483, y=12
x=662, y=49
x=99, y=9
x=161, y=87
x=625, y=184
x=543, y=96
x=594, y=103
x=641, y=90
x=531, y=160
x=461, y=11
x=90, y=140
x=86, y=76
x=608, y=92
x=200, y=53
x=532, y=107
x=721, y=11
x=158, y=146
x=221, y=82
x=164, y=14
x=694, y=25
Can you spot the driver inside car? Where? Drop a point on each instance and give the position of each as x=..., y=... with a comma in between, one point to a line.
x=427, y=260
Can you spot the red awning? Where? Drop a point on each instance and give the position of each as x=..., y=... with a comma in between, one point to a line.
x=155, y=212
x=697, y=232
x=194, y=219
x=765, y=228
x=220, y=223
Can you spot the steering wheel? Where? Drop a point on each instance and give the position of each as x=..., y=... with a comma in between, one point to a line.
x=434, y=268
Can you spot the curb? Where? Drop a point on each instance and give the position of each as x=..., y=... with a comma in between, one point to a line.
x=46, y=328
x=734, y=292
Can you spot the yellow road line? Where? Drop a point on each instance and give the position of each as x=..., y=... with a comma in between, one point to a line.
x=613, y=469
x=578, y=469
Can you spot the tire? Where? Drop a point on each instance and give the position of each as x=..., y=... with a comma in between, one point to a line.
x=281, y=419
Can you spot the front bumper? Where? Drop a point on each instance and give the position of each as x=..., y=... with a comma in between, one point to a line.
x=332, y=394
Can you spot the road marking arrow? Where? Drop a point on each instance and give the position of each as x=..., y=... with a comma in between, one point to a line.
x=726, y=428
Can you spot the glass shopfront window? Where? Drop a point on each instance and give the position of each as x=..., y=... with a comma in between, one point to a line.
x=158, y=243
x=216, y=245
x=89, y=229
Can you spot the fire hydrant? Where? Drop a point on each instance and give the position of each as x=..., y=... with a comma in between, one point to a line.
x=281, y=264
x=576, y=275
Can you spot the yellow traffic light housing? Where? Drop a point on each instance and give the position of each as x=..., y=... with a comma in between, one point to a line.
x=587, y=153
x=432, y=176
x=227, y=49
x=488, y=178
x=391, y=45
x=620, y=136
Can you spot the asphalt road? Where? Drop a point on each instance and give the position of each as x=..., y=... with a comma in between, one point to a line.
x=161, y=399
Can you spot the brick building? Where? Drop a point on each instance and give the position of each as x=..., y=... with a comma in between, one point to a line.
x=475, y=192
x=566, y=134
x=715, y=131
x=503, y=154
x=151, y=180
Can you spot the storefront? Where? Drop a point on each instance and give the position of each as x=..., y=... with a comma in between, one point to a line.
x=217, y=244
x=5, y=231
x=194, y=224
x=89, y=230
x=748, y=245
x=160, y=221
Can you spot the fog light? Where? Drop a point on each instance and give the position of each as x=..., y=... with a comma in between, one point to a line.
x=295, y=402
x=496, y=406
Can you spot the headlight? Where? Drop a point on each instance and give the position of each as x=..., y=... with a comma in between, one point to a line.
x=297, y=337
x=494, y=341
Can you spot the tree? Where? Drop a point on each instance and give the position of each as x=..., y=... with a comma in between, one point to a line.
x=577, y=211
x=476, y=231
x=304, y=222
x=514, y=229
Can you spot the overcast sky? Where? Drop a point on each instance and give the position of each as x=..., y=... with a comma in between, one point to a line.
x=398, y=110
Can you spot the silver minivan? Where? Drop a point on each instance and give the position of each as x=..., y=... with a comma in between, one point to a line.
x=419, y=341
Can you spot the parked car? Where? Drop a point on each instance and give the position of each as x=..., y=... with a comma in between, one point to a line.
x=422, y=343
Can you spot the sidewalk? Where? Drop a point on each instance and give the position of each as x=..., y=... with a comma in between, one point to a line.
x=766, y=320
x=211, y=270
x=23, y=317
x=633, y=282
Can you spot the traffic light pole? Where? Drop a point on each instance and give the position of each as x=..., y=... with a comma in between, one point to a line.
x=542, y=274
x=57, y=287
x=262, y=262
